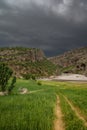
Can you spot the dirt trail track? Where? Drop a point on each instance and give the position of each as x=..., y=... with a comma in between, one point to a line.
x=36, y=91
x=76, y=111
x=58, y=124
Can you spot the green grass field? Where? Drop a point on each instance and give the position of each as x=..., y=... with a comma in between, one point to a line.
x=36, y=111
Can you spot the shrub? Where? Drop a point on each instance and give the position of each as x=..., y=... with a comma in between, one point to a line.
x=39, y=83
x=33, y=77
x=26, y=76
x=29, y=76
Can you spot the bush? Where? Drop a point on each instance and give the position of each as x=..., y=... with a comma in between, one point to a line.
x=26, y=76
x=33, y=77
x=39, y=83
x=29, y=76
x=5, y=74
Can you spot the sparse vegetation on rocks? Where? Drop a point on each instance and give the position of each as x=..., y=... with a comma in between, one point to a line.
x=74, y=61
x=27, y=61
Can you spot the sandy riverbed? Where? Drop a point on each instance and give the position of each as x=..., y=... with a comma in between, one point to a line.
x=68, y=77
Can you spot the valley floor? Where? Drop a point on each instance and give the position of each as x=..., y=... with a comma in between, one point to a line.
x=49, y=106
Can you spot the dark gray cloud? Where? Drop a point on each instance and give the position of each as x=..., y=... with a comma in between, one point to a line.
x=53, y=25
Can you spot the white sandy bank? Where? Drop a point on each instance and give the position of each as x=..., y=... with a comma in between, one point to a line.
x=72, y=77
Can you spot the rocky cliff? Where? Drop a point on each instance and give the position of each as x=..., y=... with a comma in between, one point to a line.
x=27, y=61
x=74, y=61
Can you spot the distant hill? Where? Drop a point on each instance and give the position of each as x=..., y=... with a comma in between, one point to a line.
x=27, y=61
x=74, y=61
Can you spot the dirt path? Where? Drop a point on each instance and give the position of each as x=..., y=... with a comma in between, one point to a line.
x=78, y=114
x=23, y=93
x=30, y=92
x=58, y=124
x=36, y=91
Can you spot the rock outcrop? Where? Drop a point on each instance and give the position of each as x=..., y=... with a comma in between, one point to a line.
x=74, y=61
x=27, y=61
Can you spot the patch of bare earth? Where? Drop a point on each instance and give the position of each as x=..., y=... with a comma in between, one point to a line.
x=36, y=91
x=77, y=112
x=58, y=123
x=3, y=93
x=25, y=91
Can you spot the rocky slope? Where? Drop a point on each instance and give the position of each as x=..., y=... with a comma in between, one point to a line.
x=74, y=61
x=27, y=61
x=21, y=54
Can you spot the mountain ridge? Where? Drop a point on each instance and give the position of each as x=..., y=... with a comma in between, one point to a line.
x=74, y=61
x=33, y=61
x=27, y=61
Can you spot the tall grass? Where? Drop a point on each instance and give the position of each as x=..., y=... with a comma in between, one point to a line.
x=78, y=96
x=27, y=112
x=35, y=111
x=31, y=85
x=76, y=93
x=70, y=119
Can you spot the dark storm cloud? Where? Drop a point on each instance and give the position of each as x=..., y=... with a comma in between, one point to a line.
x=53, y=25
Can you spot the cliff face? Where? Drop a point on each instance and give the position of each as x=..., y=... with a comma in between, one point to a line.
x=27, y=61
x=74, y=61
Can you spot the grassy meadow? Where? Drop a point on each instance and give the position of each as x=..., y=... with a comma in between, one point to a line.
x=36, y=111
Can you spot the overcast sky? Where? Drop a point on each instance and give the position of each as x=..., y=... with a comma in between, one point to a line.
x=52, y=25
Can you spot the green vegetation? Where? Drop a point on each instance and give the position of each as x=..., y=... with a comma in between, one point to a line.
x=74, y=61
x=77, y=95
x=27, y=61
x=12, y=85
x=38, y=69
x=67, y=69
x=29, y=76
x=78, y=98
x=35, y=110
x=39, y=83
x=5, y=75
x=28, y=112
x=17, y=48
x=71, y=120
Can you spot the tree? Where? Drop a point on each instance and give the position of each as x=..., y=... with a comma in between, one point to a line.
x=12, y=84
x=5, y=74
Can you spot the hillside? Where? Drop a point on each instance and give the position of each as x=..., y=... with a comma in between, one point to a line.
x=27, y=61
x=74, y=61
